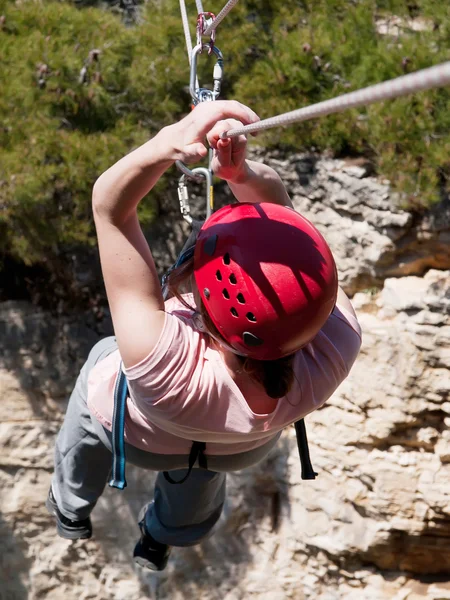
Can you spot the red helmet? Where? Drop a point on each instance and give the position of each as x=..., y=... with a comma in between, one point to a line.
x=266, y=276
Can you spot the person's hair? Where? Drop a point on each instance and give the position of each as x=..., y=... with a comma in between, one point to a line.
x=276, y=376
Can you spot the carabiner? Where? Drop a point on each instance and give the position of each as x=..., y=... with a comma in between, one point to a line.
x=184, y=169
x=183, y=194
x=183, y=197
x=207, y=173
x=199, y=94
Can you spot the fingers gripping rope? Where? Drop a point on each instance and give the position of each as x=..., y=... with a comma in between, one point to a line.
x=438, y=76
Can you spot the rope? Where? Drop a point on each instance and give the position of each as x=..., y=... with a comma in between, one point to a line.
x=425, y=79
x=187, y=33
x=220, y=17
x=199, y=6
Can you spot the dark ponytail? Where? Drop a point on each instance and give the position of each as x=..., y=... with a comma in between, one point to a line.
x=276, y=376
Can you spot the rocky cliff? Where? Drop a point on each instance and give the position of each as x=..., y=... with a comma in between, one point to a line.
x=375, y=524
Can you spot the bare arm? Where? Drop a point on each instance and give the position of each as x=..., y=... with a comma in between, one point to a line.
x=260, y=183
x=250, y=181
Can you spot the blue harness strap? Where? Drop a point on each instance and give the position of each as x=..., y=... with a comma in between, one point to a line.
x=118, y=429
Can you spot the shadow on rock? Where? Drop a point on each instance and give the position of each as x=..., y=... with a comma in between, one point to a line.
x=14, y=566
x=256, y=497
x=45, y=353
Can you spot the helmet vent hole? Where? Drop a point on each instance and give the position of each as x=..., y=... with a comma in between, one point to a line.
x=226, y=259
x=234, y=312
x=225, y=294
x=233, y=279
x=251, y=317
x=240, y=298
x=218, y=275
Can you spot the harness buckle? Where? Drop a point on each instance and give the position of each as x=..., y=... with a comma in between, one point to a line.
x=204, y=20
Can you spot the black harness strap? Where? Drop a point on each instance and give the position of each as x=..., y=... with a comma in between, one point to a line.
x=303, y=450
x=197, y=451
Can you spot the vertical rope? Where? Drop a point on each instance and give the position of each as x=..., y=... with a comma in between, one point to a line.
x=199, y=6
x=187, y=33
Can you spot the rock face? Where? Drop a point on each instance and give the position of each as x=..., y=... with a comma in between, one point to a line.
x=375, y=524
x=372, y=237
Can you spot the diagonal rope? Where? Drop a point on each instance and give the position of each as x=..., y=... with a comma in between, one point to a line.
x=220, y=17
x=425, y=79
x=187, y=33
x=199, y=6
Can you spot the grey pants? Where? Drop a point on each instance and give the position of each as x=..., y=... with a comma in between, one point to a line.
x=180, y=515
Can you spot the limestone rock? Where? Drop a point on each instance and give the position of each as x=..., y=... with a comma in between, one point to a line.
x=374, y=525
x=371, y=235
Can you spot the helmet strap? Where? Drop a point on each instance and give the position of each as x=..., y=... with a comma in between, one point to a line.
x=198, y=319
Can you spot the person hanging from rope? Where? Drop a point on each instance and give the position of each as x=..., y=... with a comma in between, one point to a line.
x=256, y=335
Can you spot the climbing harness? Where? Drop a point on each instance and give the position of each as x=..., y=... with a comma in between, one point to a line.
x=207, y=24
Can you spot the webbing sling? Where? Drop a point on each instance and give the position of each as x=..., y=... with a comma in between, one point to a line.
x=303, y=450
x=118, y=429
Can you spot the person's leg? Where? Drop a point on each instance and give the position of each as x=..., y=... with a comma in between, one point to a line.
x=180, y=515
x=82, y=462
x=184, y=514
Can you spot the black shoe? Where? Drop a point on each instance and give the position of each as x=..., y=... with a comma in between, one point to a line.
x=70, y=530
x=148, y=552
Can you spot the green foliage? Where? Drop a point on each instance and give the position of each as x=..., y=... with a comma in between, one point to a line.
x=334, y=48
x=68, y=111
x=60, y=130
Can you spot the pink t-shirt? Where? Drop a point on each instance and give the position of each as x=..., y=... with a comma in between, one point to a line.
x=182, y=391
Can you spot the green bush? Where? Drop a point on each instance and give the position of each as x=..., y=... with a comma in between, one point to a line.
x=334, y=48
x=81, y=87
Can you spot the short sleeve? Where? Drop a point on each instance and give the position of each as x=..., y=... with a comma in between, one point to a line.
x=324, y=363
x=168, y=369
x=344, y=330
